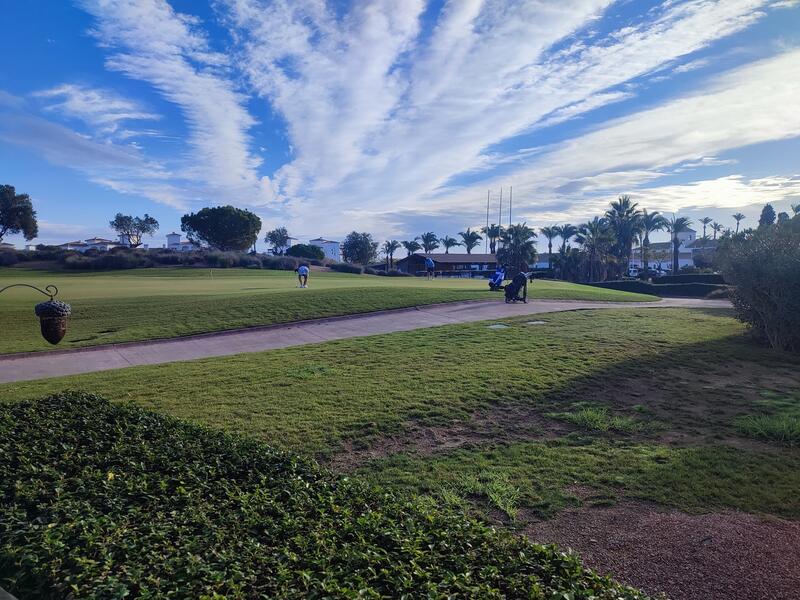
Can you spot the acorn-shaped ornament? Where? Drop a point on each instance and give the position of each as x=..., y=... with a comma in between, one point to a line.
x=53, y=318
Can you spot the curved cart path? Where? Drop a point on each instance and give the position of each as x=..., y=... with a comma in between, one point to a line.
x=39, y=365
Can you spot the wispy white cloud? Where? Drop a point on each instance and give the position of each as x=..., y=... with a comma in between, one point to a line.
x=380, y=117
x=150, y=41
x=637, y=150
x=102, y=109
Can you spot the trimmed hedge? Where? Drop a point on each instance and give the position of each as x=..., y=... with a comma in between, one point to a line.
x=690, y=278
x=691, y=290
x=306, y=251
x=108, y=501
x=347, y=268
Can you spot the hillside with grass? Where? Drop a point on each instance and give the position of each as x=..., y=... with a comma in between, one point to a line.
x=107, y=501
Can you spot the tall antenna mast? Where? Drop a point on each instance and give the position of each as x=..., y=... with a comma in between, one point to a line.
x=510, y=203
x=486, y=233
x=500, y=218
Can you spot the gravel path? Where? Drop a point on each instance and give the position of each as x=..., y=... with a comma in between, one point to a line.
x=719, y=556
x=39, y=365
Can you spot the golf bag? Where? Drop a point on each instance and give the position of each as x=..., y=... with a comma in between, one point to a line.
x=517, y=290
x=496, y=280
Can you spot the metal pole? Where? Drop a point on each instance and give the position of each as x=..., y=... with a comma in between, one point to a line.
x=500, y=219
x=50, y=293
x=486, y=233
x=510, y=203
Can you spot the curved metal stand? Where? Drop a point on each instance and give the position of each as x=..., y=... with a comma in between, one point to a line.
x=52, y=290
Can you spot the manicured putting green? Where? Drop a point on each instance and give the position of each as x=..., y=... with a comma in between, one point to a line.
x=147, y=304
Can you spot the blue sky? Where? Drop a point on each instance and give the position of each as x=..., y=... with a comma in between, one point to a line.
x=397, y=117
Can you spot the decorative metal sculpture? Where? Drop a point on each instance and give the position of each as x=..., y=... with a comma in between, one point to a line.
x=52, y=313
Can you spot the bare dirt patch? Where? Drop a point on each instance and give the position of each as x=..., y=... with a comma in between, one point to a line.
x=720, y=556
x=498, y=424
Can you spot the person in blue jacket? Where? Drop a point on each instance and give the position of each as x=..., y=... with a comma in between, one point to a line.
x=496, y=280
x=302, y=275
x=429, y=267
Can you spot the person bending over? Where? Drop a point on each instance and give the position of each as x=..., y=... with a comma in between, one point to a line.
x=302, y=275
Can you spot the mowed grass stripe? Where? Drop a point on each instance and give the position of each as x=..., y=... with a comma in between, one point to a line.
x=162, y=303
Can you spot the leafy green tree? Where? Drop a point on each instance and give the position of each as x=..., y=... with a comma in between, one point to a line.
x=493, y=232
x=449, y=242
x=796, y=209
x=359, y=248
x=550, y=232
x=279, y=239
x=389, y=248
x=16, y=214
x=429, y=242
x=411, y=246
x=651, y=222
x=716, y=228
x=519, y=247
x=738, y=217
x=222, y=227
x=767, y=217
x=783, y=217
x=306, y=251
x=132, y=229
x=566, y=232
x=676, y=226
x=470, y=239
x=597, y=240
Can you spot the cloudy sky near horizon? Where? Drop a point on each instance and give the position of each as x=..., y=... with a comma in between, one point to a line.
x=397, y=117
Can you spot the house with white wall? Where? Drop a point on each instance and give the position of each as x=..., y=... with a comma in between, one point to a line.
x=332, y=250
x=174, y=242
x=659, y=255
x=95, y=243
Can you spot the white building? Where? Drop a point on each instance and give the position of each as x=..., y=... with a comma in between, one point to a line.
x=174, y=242
x=660, y=253
x=94, y=243
x=332, y=250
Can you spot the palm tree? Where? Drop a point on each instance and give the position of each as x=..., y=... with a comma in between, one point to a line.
x=493, y=232
x=549, y=232
x=470, y=239
x=738, y=217
x=566, y=232
x=796, y=209
x=411, y=246
x=625, y=219
x=705, y=221
x=449, y=242
x=597, y=238
x=429, y=242
x=650, y=222
x=519, y=247
x=389, y=248
x=676, y=226
x=716, y=228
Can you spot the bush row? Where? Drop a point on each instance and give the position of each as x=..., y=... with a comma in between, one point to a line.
x=691, y=290
x=690, y=278
x=151, y=507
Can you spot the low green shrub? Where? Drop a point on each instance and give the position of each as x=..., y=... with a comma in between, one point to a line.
x=279, y=263
x=690, y=278
x=394, y=273
x=306, y=251
x=8, y=259
x=371, y=271
x=347, y=268
x=691, y=290
x=764, y=269
x=108, y=501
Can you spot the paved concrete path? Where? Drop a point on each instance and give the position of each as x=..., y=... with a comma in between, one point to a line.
x=39, y=365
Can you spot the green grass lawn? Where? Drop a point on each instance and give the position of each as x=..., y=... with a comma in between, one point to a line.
x=641, y=404
x=146, y=304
